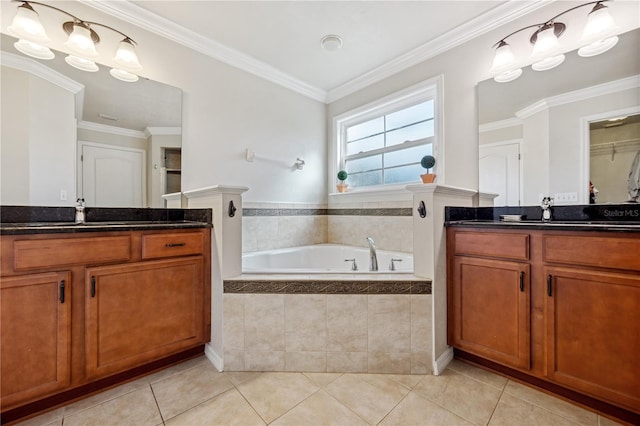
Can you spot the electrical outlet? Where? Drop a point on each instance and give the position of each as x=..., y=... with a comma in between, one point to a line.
x=565, y=197
x=63, y=195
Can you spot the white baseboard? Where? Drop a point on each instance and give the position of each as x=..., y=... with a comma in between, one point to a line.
x=443, y=360
x=213, y=357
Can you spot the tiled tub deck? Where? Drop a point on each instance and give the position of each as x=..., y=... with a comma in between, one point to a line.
x=364, y=323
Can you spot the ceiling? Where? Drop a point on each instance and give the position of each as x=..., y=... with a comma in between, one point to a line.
x=280, y=40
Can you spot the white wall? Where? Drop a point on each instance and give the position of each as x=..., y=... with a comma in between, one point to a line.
x=38, y=141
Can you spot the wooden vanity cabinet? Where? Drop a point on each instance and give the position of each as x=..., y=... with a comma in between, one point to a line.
x=582, y=317
x=35, y=343
x=81, y=311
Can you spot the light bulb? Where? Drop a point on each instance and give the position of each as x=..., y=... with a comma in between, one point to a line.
x=504, y=58
x=546, y=42
x=27, y=26
x=80, y=42
x=600, y=25
x=34, y=50
x=126, y=57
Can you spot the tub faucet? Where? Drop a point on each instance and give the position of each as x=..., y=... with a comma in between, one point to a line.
x=80, y=210
x=373, y=257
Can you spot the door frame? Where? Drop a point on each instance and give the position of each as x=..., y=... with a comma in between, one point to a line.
x=79, y=183
x=518, y=142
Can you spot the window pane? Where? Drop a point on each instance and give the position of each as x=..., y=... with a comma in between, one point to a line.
x=366, y=179
x=364, y=164
x=367, y=144
x=406, y=156
x=365, y=129
x=410, y=115
x=411, y=133
x=402, y=174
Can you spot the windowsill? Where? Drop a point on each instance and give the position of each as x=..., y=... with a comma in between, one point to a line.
x=372, y=194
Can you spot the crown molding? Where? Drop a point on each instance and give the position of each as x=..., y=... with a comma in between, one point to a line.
x=482, y=24
x=113, y=130
x=501, y=124
x=162, y=131
x=24, y=63
x=614, y=86
x=163, y=27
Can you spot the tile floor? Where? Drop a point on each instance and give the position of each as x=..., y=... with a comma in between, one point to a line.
x=195, y=393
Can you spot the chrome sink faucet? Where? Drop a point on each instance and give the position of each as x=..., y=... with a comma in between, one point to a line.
x=373, y=257
x=80, y=210
x=546, y=204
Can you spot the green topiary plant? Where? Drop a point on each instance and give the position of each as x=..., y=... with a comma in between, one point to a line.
x=428, y=161
x=342, y=176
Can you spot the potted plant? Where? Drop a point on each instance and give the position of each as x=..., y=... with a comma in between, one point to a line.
x=428, y=161
x=342, y=176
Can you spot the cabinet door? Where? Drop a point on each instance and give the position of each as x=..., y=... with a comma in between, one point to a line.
x=139, y=312
x=489, y=309
x=35, y=341
x=593, y=333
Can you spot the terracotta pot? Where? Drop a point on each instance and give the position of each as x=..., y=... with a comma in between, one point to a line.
x=428, y=177
x=342, y=187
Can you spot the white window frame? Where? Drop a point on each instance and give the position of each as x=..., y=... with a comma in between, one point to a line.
x=423, y=91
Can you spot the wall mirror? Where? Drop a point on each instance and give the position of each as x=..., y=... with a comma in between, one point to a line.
x=538, y=135
x=67, y=134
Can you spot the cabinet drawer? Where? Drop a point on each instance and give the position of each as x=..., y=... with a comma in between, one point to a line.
x=43, y=253
x=494, y=244
x=172, y=244
x=607, y=252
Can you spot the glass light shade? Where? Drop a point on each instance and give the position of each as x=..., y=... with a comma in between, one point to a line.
x=600, y=25
x=123, y=75
x=34, y=50
x=548, y=63
x=126, y=57
x=508, y=76
x=81, y=63
x=503, y=60
x=80, y=43
x=598, y=47
x=546, y=43
x=27, y=26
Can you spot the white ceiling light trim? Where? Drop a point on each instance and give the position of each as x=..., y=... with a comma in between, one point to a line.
x=149, y=21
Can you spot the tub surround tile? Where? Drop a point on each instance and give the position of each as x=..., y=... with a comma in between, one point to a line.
x=394, y=363
x=264, y=361
x=389, y=315
x=234, y=360
x=305, y=322
x=306, y=361
x=276, y=285
x=421, y=323
x=264, y=323
x=421, y=363
x=347, y=362
x=233, y=330
x=346, y=323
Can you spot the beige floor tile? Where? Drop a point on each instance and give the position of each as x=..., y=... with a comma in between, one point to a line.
x=180, y=392
x=238, y=377
x=322, y=379
x=273, y=394
x=603, y=421
x=50, y=418
x=320, y=409
x=178, y=368
x=229, y=408
x=368, y=395
x=555, y=405
x=479, y=374
x=407, y=380
x=511, y=410
x=415, y=410
x=468, y=398
x=135, y=408
x=105, y=396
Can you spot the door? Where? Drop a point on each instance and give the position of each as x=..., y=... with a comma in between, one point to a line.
x=490, y=310
x=112, y=176
x=140, y=312
x=593, y=333
x=500, y=173
x=35, y=340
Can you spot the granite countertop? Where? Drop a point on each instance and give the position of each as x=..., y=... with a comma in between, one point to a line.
x=598, y=217
x=18, y=220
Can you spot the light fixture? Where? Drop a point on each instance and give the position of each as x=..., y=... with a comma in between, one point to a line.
x=331, y=42
x=598, y=36
x=82, y=41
